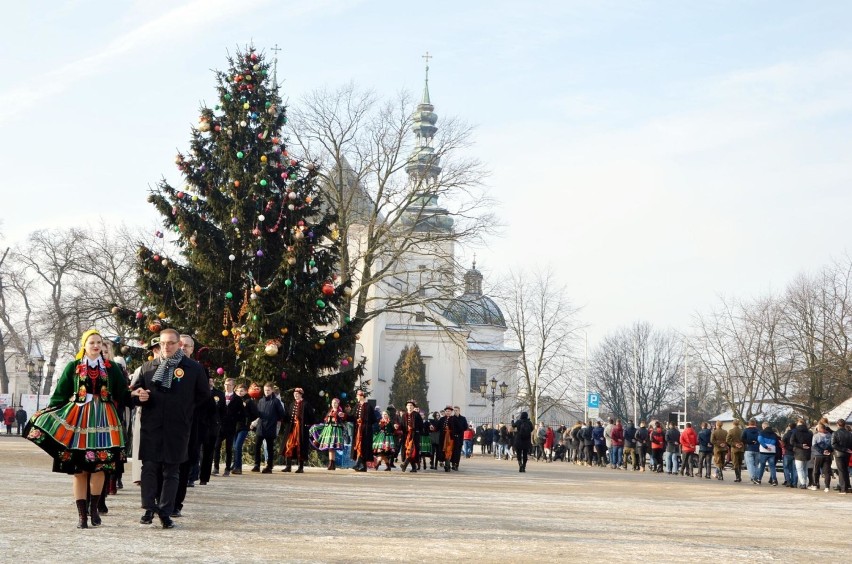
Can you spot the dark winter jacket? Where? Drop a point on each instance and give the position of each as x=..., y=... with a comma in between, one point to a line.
x=673, y=440
x=801, y=440
x=586, y=436
x=641, y=437
x=704, y=444
x=841, y=442
x=630, y=437
x=523, y=433
x=271, y=411
x=598, y=436
x=750, y=441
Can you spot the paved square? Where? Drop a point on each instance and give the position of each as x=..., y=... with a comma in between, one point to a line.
x=487, y=512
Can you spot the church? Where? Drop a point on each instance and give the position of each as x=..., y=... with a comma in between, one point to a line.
x=461, y=335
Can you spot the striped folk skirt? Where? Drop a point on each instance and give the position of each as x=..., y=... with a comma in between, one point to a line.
x=327, y=437
x=81, y=437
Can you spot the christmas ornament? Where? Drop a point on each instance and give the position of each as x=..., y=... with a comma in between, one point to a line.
x=229, y=295
x=320, y=304
x=225, y=332
x=240, y=154
x=220, y=371
x=328, y=288
x=261, y=217
x=231, y=258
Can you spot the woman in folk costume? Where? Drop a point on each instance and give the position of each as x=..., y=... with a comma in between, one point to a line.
x=384, y=443
x=80, y=427
x=328, y=436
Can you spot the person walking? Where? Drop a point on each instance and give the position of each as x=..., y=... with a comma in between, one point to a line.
x=80, y=428
x=168, y=395
x=523, y=428
x=329, y=436
x=297, y=435
x=249, y=414
x=231, y=415
x=362, y=441
x=270, y=411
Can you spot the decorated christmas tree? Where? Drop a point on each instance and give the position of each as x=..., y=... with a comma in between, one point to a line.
x=246, y=256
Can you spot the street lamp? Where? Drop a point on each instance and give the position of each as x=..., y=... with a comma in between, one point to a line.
x=32, y=365
x=483, y=389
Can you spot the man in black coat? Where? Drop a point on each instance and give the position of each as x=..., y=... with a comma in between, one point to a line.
x=362, y=443
x=210, y=414
x=449, y=433
x=461, y=424
x=233, y=412
x=168, y=395
x=523, y=440
x=21, y=418
x=297, y=439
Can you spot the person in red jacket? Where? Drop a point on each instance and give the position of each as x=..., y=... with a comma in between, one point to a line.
x=9, y=418
x=688, y=441
x=658, y=445
x=617, y=436
x=548, y=444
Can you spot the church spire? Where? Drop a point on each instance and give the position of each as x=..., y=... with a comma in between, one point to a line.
x=424, y=166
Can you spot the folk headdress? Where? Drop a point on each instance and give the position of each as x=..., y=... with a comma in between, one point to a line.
x=83, y=340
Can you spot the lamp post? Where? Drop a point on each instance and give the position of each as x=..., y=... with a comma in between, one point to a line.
x=33, y=364
x=483, y=389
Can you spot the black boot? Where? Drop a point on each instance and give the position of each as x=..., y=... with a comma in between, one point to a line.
x=300, y=469
x=96, y=518
x=288, y=466
x=83, y=522
x=101, y=504
x=404, y=465
x=330, y=465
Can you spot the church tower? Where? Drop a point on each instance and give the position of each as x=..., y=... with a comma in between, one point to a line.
x=424, y=167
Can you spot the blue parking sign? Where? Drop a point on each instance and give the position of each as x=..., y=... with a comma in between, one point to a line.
x=593, y=400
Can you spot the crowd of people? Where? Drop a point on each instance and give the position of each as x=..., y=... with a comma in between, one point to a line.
x=177, y=424
x=181, y=423
x=808, y=456
x=12, y=416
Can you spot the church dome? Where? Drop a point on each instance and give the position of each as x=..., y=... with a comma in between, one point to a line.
x=473, y=307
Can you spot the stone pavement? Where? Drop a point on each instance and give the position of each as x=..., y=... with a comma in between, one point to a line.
x=487, y=512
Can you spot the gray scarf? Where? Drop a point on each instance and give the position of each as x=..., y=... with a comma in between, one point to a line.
x=166, y=370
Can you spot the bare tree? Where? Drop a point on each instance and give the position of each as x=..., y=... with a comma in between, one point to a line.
x=737, y=348
x=385, y=184
x=543, y=324
x=638, y=369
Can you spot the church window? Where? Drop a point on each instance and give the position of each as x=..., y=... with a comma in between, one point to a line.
x=477, y=377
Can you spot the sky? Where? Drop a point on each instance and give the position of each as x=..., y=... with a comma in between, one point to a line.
x=656, y=155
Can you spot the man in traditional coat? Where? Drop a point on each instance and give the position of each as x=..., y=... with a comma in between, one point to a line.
x=412, y=428
x=297, y=438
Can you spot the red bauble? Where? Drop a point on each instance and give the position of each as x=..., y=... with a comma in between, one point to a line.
x=156, y=257
x=155, y=328
x=328, y=288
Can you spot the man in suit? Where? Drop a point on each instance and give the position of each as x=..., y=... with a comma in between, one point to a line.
x=168, y=395
x=233, y=412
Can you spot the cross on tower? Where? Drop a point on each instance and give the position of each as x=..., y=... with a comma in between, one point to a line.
x=427, y=56
x=275, y=64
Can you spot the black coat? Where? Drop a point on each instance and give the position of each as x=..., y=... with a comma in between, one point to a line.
x=249, y=413
x=801, y=437
x=234, y=412
x=523, y=434
x=271, y=411
x=168, y=413
x=210, y=415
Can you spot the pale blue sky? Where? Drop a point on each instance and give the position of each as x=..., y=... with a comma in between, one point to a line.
x=656, y=153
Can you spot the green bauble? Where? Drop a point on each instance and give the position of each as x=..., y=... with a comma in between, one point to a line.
x=229, y=295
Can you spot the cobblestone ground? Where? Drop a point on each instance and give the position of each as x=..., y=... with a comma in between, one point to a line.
x=487, y=512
